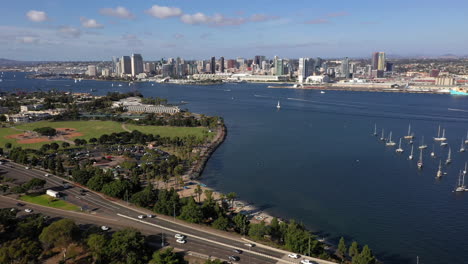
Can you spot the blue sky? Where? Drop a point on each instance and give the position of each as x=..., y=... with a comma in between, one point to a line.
x=100, y=29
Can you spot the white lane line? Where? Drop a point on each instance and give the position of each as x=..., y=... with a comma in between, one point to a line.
x=204, y=239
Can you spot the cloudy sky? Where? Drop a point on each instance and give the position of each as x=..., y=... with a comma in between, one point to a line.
x=195, y=29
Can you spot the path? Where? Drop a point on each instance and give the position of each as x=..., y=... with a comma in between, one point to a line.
x=125, y=128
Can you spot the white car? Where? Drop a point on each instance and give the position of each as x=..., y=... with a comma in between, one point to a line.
x=27, y=210
x=105, y=228
x=181, y=241
x=26, y=168
x=306, y=261
x=250, y=245
x=294, y=256
x=150, y=216
x=179, y=236
x=141, y=216
x=47, y=175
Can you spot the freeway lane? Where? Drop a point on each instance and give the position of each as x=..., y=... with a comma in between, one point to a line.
x=105, y=208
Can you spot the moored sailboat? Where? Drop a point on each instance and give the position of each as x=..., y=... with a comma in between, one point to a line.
x=409, y=136
x=449, y=156
x=278, y=106
x=399, y=149
x=420, y=161
x=462, y=147
x=382, y=137
x=410, y=157
x=390, y=143
x=422, y=146
x=439, y=171
x=461, y=183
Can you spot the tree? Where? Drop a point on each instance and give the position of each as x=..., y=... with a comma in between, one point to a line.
x=92, y=140
x=127, y=246
x=8, y=145
x=144, y=198
x=191, y=212
x=353, y=249
x=30, y=226
x=46, y=131
x=241, y=224
x=198, y=191
x=222, y=223
x=3, y=118
x=342, y=248
x=231, y=197
x=258, y=231
x=20, y=250
x=97, y=245
x=54, y=146
x=365, y=257
x=166, y=256
x=65, y=145
x=59, y=234
x=216, y=261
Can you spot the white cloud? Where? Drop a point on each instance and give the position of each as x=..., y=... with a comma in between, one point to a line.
x=215, y=20
x=67, y=31
x=28, y=40
x=119, y=11
x=262, y=17
x=37, y=16
x=164, y=11
x=90, y=23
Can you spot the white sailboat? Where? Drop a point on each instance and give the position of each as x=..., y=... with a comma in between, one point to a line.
x=438, y=138
x=465, y=171
x=439, y=171
x=443, y=139
x=466, y=140
x=112, y=85
x=449, y=156
x=420, y=161
x=390, y=143
x=382, y=138
x=422, y=146
x=278, y=105
x=399, y=149
x=375, y=130
x=410, y=157
x=409, y=136
x=462, y=147
x=461, y=183
x=433, y=152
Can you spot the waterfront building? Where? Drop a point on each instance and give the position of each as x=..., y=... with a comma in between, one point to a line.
x=381, y=65
x=306, y=68
x=319, y=79
x=257, y=78
x=279, y=67
x=221, y=64
x=92, y=70
x=105, y=72
x=167, y=70
x=231, y=64
x=377, y=74
x=137, y=64
x=240, y=62
x=125, y=65
x=344, y=70
x=213, y=65
x=445, y=81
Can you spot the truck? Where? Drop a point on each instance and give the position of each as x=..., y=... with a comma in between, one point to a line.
x=53, y=193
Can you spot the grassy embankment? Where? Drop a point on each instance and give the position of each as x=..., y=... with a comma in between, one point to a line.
x=49, y=201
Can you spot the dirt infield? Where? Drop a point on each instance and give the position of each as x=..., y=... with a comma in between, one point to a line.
x=33, y=137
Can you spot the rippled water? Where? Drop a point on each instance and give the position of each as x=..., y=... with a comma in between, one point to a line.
x=315, y=160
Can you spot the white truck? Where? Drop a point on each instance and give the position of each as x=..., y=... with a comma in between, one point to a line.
x=53, y=193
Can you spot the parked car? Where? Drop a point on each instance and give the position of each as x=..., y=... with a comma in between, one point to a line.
x=27, y=210
x=234, y=258
x=294, y=256
x=181, y=241
x=105, y=228
x=141, y=216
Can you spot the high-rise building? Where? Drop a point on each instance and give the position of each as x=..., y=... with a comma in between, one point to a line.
x=221, y=64
x=137, y=64
x=381, y=65
x=389, y=66
x=279, y=67
x=240, y=62
x=92, y=70
x=375, y=60
x=231, y=64
x=306, y=68
x=345, y=68
x=125, y=65
x=213, y=65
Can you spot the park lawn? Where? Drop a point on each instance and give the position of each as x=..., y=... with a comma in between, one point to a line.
x=49, y=201
x=170, y=131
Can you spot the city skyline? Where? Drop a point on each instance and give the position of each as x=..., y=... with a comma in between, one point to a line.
x=54, y=30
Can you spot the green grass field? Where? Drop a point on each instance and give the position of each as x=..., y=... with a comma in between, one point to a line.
x=96, y=128
x=46, y=200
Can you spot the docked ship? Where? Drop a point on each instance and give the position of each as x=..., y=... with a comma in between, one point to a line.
x=459, y=91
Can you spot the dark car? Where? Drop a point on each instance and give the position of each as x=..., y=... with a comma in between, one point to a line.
x=238, y=251
x=19, y=204
x=234, y=258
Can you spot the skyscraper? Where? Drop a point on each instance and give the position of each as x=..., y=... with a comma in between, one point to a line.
x=221, y=64
x=213, y=65
x=125, y=65
x=375, y=60
x=345, y=68
x=306, y=68
x=381, y=65
x=137, y=64
x=92, y=70
x=279, y=67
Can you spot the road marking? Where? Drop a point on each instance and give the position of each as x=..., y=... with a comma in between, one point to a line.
x=204, y=239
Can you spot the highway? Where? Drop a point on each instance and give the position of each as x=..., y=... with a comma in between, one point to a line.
x=116, y=214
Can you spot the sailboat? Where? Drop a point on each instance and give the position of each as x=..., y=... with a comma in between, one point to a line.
x=420, y=161
x=466, y=140
x=410, y=157
x=465, y=171
x=76, y=80
x=438, y=138
x=449, y=157
x=390, y=143
x=409, y=136
x=462, y=147
x=461, y=183
x=278, y=105
x=422, y=146
x=375, y=130
x=382, y=138
x=443, y=139
x=399, y=149
x=433, y=152
x=439, y=172
x=112, y=85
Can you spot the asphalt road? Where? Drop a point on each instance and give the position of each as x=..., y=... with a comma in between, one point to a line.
x=99, y=210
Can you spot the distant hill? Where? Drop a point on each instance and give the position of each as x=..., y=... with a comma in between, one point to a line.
x=7, y=62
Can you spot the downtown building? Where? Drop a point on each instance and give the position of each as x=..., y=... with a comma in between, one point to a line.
x=136, y=64
x=306, y=68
